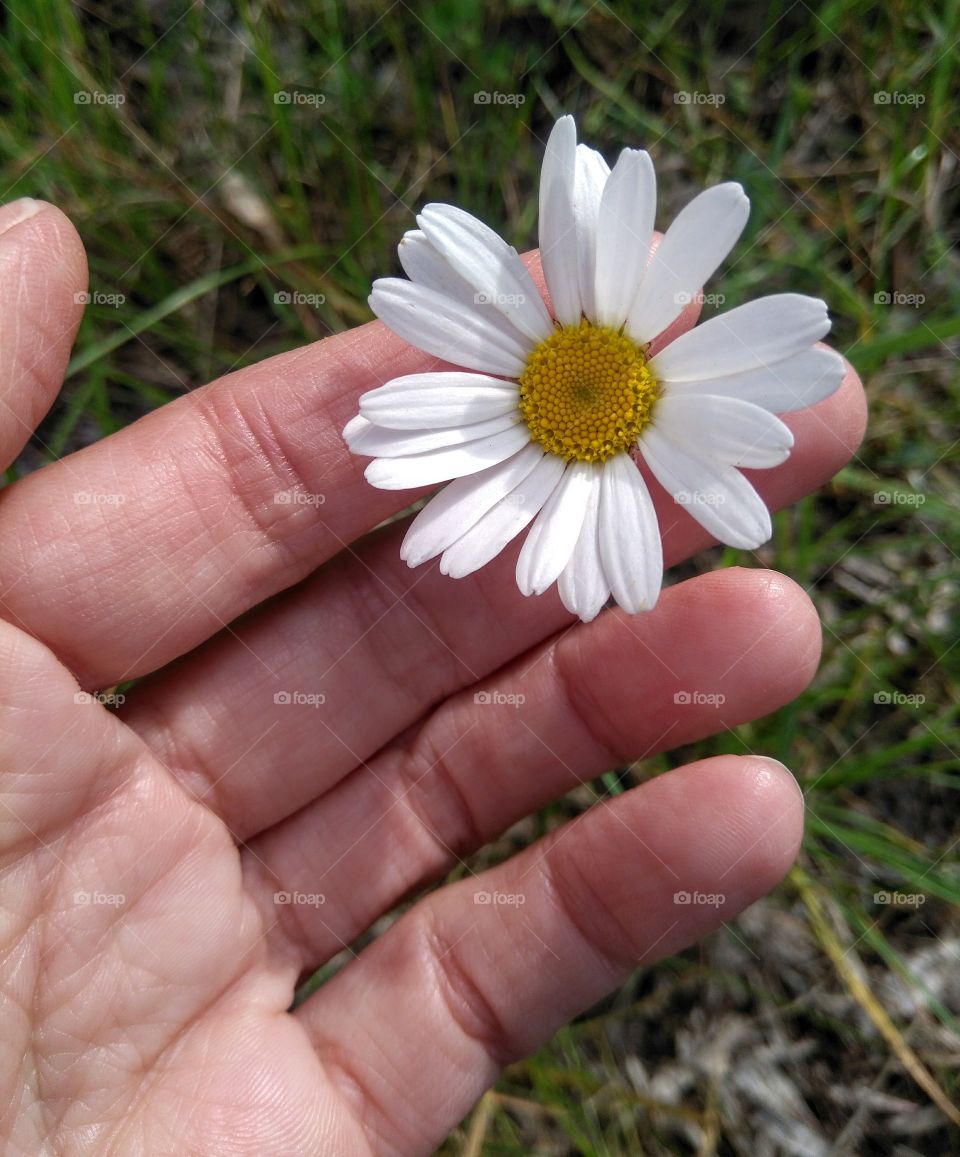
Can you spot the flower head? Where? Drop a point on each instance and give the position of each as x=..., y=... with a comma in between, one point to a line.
x=547, y=421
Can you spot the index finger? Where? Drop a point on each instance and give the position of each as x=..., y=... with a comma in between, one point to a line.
x=133, y=551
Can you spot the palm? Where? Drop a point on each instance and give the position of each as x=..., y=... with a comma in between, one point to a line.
x=327, y=745
x=143, y=904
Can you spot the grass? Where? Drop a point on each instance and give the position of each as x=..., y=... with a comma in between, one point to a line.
x=236, y=222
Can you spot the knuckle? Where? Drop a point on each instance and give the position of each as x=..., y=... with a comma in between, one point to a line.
x=258, y=465
x=587, y=711
x=594, y=921
x=436, y=798
x=464, y=1000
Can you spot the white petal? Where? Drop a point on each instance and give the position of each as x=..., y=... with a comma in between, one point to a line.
x=426, y=266
x=630, y=548
x=793, y=384
x=380, y=442
x=490, y=266
x=451, y=462
x=699, y=239
x=423, y=264
x=503, y=522
x=624, y=233
x=557, y=225
x=767, y=330
x=731, y=431
x=583, y=586
x=356, y=426
x=462, y=504
x=446, y=328
x=427, y=401
x=718, y=497
x=589, y=179
x=553, y=536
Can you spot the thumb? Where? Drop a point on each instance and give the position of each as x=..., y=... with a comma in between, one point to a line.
x=43, y=275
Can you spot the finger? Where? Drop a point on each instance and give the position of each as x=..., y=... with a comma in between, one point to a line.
x=200, y=510
x=43, y=273
x=457, y=988
x=718, y=650
x=369, y=646
x=189, y=536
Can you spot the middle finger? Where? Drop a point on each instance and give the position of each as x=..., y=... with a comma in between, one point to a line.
x=382, y=645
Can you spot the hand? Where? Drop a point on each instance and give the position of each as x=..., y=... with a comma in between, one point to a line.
x=315, y=732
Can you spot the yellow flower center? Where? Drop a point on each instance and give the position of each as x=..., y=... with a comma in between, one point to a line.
x=587, y=393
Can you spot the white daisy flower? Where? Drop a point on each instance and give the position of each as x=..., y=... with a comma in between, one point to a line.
x=549, y=416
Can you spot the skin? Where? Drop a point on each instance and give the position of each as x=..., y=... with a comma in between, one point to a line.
x=146, y=967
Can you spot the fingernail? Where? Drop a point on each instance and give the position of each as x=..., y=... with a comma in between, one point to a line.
x=17, y=211
x=775, y=763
